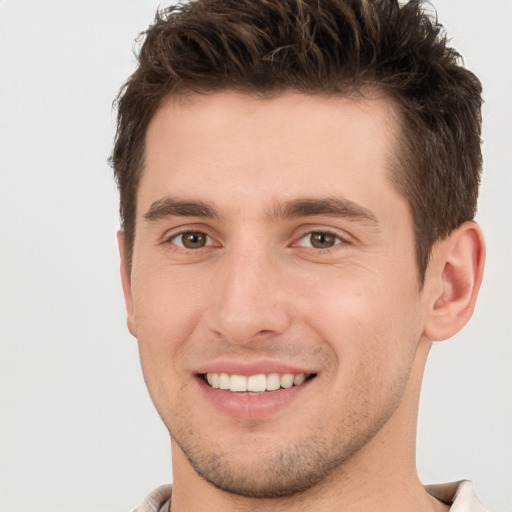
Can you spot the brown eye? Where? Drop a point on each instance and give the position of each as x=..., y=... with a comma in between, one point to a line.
x=191, y=239
x=320, y=240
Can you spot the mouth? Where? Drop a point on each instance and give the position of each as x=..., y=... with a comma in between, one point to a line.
x=255, y=384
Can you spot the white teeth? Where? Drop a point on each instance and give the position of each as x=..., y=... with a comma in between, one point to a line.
x=273, y=382
x=287, y=380
x=254, y=383
x=238, y=383
x=257, y=383
x=223, y=381
x=299, y=379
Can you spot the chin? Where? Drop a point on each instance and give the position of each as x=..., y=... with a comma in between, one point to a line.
x=274, y=474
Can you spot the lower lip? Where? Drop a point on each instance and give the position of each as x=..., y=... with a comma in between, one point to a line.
x=252, y=406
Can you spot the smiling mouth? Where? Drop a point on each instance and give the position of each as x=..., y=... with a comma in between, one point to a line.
x=255, y=384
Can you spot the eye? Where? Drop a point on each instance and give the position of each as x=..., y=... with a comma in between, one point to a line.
x=320, y=240
x=191, y=240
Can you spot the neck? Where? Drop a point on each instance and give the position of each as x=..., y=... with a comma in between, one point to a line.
x=381, y=476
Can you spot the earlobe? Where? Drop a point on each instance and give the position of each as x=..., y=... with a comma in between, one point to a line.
x=127, y=285
x=455, y=274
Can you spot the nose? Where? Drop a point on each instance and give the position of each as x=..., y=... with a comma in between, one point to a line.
x=251, y=299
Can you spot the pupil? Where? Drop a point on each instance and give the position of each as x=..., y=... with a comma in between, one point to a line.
x=194, y=240
x=322, y=240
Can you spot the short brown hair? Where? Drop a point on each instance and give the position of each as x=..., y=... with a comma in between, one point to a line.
x=333, y=47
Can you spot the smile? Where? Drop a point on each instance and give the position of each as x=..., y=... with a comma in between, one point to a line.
x=259, y=383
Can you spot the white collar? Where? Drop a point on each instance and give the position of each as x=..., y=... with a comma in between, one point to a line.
x=460, y=495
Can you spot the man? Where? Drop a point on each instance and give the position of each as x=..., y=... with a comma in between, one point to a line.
x=298, y=184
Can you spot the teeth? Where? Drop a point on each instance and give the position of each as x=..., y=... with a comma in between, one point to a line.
x=299, y=379
x=237, y=383
x=257, y=383
x=254, y=383
x=223, y=381
x=287, y=381
x=273, y=382
x=214, y=378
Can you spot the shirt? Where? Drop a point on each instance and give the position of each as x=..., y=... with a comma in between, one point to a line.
x=460, y=495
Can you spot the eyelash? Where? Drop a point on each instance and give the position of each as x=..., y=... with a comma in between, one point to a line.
x=339, y=240
x=171, y=240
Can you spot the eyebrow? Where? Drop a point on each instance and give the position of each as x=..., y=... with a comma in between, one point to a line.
x=169, y=207
x=331, y=207
x=305, y=207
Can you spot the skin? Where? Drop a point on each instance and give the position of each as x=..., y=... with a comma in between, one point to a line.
x=258, y=292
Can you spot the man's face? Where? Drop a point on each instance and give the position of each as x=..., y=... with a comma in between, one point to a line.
x=271, y=248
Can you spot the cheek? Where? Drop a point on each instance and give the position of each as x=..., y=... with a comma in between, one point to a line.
x=168, y=308
x=363, y=315
x=372, y=334
x=166, y=303
x=167, y=311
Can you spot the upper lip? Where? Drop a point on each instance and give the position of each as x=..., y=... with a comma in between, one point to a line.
x=248, y=368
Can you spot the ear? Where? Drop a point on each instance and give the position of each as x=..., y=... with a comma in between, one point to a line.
x=127, y=284
x=452, y=282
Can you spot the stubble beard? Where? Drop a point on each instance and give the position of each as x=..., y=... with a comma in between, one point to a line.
x=278, y=475
x=279, y=467
x=290, y=470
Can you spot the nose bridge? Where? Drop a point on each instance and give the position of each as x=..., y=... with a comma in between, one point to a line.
x=251, y=299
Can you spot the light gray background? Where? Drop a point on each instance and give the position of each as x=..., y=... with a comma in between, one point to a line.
x=78, y=431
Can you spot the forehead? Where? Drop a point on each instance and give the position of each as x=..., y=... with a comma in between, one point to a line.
x=226, y=113
x=244, y=145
